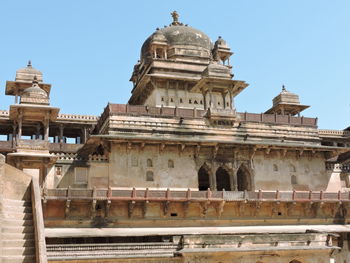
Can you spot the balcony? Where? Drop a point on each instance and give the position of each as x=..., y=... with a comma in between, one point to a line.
x=32, y=145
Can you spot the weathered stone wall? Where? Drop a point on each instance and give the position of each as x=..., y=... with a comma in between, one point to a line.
x=290, y=172
x=170, y=169
x=63, y=175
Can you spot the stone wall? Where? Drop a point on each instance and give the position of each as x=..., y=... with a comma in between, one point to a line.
x=157, y=166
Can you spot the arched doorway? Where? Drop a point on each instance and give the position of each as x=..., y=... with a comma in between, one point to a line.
x=203, y=178
x=244, y=181
x=222, y=180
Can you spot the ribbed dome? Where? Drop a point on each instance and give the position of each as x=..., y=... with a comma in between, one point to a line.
x=27, y=74
x=34, y=91
x=179, y=35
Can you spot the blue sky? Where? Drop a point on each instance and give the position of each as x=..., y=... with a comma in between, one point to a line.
x=87, y=49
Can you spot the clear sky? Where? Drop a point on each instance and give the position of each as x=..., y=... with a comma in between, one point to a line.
x=87, y=49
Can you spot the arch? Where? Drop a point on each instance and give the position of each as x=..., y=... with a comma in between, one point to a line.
x=223, y=179
x=149, y=176
x=203, y=178
x=149, y=163
x=292, y=168
x=295, y=261
x=244, y=179
x=170, y=163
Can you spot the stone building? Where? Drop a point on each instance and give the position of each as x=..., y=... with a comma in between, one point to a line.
x=175, y=175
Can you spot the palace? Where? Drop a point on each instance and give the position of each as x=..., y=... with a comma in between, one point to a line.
x=175, y=175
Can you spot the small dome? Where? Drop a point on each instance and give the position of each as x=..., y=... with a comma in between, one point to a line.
x=27, y=74
x=286, y=97
x=158, y=37
x=34, y=91
x=217, y=70
x=221, y=43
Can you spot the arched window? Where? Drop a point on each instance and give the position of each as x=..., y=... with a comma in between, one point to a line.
x=244, y=180
x=203, y=178
x=222, y=179
x=292, y=168
x=149, y=176
x=170, y=163
x=149, y=163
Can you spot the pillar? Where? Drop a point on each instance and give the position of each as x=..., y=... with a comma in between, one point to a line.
x=204, y=93
x=234, y=179
x=14, y=134
x=167, y=93
x=213, y=177
x=211, y=103
x=46, y=129
x=231, y=100
x=20, y=117
x=224, y=99
x=60, y=138
x=84, y=135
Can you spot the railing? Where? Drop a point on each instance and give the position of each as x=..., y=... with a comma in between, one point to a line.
x=4, y=113
x=39, y=228
x=140, y=110
x=333, y=133
x=77, y=117
x=338, y=166
x=38, y=145
x=65, y=147
x=6, y=146
x=190, y=195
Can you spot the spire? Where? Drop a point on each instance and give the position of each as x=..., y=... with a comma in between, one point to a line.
x=35, y=80
x=175, y=16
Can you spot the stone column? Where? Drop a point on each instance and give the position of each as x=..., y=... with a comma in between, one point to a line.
x=213, y=177
x=14, y=134
x=84, y=135
x=60, y=138
x=234, y=179
x=231, y=100
x=224, y=99
x=20, y=117
x=211, y=103
x=167, y=94
x=46, y=128
x=177, y=94
x=204, y=93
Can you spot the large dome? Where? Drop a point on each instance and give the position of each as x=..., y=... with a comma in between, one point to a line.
x=177, y=34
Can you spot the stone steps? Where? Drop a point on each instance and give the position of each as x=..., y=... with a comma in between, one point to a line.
x=17, y=232
x=17, y=215
x=18, y=251
x=18, y=259
x=16, y=222
x=17, y=229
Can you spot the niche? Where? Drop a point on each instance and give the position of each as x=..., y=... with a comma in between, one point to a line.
x=149, y=163
x=149, y=176
x=170, y=163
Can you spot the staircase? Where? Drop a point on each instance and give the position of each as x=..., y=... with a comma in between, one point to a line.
x=17, y=231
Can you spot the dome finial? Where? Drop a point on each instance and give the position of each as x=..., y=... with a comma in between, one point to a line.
x=283, y=88
x=175, y=16
x=35, y=80
x=29, y=63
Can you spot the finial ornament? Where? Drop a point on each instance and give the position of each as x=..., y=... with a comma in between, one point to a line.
x=29, y=64
x=175, y=16
x=35, y=80
x=283, y=87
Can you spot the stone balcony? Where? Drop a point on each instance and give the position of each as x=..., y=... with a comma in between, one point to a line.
x=32, y=146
